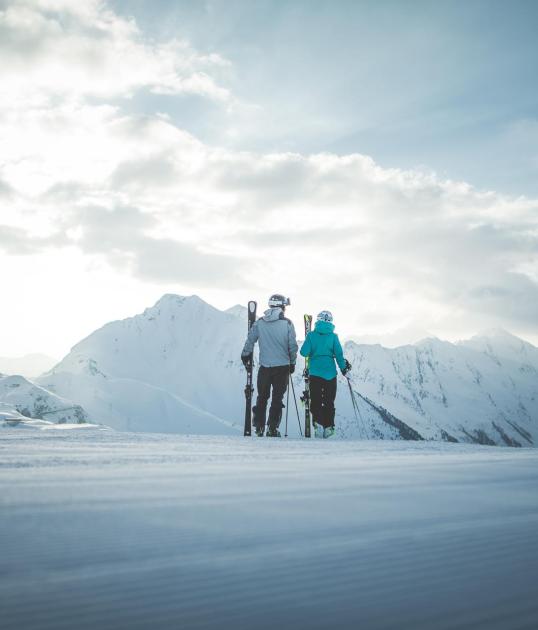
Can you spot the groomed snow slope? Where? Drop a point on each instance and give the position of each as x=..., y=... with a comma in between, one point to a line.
x=119, y=530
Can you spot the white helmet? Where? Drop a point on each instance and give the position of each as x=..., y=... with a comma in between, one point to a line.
x=325, y=316
x=279, y=300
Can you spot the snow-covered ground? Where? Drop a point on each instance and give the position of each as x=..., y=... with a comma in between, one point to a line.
x=101, y=529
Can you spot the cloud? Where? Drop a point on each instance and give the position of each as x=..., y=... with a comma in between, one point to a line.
x=18, y=242
x=407, y=245
x=310, y=238
x=119, y=234
x=512, y=297
x=165, y=260
x=387, y=247
x=65, y=49
x=15, y=241
x=5, y=189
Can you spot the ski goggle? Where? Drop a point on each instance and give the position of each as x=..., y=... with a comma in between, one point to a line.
x=325, y=316
x=279, y=300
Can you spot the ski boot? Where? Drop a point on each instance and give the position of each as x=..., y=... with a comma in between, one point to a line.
x=328, y=432
x=259, y=431
x=318, y=430
x=272, y=432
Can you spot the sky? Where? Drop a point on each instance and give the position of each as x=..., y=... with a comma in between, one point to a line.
x=377, y=159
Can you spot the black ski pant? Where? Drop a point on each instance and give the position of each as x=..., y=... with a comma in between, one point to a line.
x=322, y=395
x=277, y=379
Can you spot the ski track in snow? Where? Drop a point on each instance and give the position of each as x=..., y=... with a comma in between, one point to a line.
x=119, y=530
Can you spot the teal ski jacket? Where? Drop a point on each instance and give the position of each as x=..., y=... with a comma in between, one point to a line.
x=322, y=347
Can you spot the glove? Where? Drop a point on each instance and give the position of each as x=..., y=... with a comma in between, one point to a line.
x=292, y=368
x=346, y=368
x=247, y=360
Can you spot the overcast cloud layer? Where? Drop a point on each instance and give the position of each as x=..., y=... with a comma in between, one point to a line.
x=86, y=185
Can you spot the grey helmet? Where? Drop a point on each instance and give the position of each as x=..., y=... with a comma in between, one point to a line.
x=279, y=300
x=325, y=316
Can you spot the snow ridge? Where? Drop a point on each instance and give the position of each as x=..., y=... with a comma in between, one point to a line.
x=25, y=400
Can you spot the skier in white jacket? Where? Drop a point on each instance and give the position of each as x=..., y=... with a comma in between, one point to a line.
x=278, y=353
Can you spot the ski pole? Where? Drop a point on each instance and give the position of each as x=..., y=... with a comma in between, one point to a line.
x=287, y=404
x=296, y=407
x=356, y=410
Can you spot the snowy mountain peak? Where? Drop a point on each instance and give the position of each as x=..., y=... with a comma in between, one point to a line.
x=171, y=304
x=171, y=299
x=500, y=336
x=33, y=401
x=12, y=381
x=499, y=345
x=431, y=341
x=405, y=336
x=497, y=332
x=175, y=367
x=238, y=311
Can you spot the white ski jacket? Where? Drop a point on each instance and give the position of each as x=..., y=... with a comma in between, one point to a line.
x=276, y=336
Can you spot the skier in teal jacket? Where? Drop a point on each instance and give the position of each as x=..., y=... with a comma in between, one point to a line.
x=322, y=347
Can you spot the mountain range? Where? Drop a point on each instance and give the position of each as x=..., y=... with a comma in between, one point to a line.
x=482, y=390
x=21, y=400
x=176, y=368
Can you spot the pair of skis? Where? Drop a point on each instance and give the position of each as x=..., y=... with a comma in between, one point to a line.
x=306, y=392
x=249, y=389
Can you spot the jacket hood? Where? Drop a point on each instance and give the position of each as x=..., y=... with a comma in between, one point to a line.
x=324, y=328
x=272, y=314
